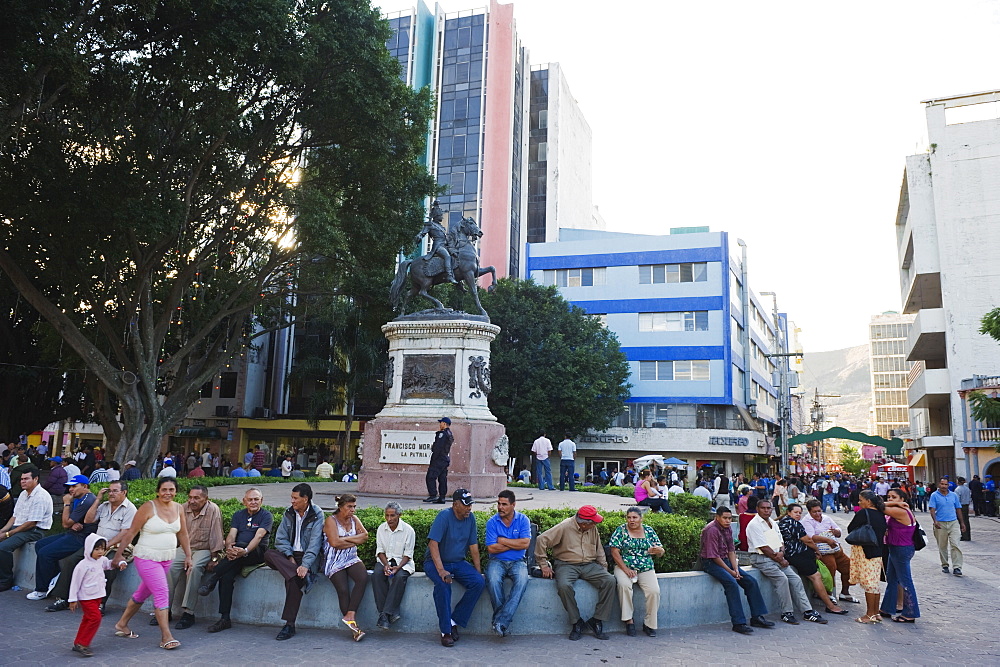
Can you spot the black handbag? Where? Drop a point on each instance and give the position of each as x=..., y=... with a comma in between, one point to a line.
x=919, y=536
x=863, y=536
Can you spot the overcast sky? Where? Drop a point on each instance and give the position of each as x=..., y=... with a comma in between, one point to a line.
x=783, y=123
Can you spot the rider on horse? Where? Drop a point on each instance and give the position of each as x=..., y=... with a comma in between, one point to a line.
x=439, y=240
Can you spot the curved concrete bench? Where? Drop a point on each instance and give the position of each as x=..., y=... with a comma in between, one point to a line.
x=686, y=599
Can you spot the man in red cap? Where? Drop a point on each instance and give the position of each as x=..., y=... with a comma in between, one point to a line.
x=577, y=553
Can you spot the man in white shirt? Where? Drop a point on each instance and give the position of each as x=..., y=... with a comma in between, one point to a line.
x=168, y=469
x=766, y=547
x=541, y=448
x=882, y=488
x=675, y=487
x=567, y=463
x=32, y=518
x=702, y=490
x=394, y=543
x=618, y=479
x=286, y=467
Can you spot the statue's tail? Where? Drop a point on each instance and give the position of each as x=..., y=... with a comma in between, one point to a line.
x=396, y=291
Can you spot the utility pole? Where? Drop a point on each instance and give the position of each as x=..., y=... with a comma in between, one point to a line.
x=818, y=416
x=784, y=386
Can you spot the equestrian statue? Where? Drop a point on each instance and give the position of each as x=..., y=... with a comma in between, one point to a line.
x=453, y=258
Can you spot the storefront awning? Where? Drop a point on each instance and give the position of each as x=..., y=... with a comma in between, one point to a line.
x=918, y=460
x=198, y=432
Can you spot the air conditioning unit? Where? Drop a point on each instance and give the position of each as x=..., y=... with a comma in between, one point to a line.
x=262, y=413
x=222, y=410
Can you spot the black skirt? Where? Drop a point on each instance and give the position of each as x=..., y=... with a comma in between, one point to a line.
x=804, y=563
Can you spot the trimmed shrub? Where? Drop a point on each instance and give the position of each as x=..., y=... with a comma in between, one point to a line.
x=691, y=505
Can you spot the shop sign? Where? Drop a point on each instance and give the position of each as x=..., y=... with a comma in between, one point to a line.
x=413, y=447
x=729, y=442
x=604, y=437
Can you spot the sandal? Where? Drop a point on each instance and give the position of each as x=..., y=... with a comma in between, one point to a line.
x=358, y=633
x=126, y=634
x=849, y=598
x=842, y=612
x=900, y=619
x=170, y=645
x=868, y=620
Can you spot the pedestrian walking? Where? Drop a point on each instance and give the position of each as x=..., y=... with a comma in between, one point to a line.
x=945, y=513
x=87, y=589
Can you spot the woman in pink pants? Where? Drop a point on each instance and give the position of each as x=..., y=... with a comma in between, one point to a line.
x=161, y=526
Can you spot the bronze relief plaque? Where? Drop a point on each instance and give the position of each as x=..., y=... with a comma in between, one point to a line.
x=428, y=376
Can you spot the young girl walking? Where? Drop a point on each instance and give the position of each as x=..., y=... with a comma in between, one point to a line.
x=87, y=589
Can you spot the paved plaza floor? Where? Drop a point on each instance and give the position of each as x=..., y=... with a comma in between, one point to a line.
x=959, y=624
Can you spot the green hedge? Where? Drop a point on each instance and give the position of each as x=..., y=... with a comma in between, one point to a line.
x=680, y=532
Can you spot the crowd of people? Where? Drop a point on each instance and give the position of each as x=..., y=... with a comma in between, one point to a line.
x=180, y=552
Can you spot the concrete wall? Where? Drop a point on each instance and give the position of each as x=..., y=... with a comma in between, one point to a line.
x=259, y=598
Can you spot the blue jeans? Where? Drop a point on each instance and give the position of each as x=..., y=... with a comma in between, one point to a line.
x=496, y=571
x=828, y=501
x=544, y=475
x=731, y=586
x=48, y=552
x=468, y=576
x=897, y=574
x=567, y=470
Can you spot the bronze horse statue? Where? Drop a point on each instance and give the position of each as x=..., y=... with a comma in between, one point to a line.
x=427, y=272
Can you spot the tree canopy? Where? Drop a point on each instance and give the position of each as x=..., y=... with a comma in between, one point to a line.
x=851, y=461
x=553, y=367
x=174, y=175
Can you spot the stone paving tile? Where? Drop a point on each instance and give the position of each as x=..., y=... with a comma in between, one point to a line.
x=958, y=626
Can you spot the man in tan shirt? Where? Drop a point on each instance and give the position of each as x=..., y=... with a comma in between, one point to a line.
x=204, y=527
x=577, y=553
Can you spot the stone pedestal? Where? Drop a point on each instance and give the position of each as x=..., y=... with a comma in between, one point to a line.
x=437, y=368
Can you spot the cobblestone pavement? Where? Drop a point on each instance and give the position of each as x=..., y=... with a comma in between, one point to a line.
x=958, y=626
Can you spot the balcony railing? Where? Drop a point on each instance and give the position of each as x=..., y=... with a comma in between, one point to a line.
x=915, y=372
x=981, y=382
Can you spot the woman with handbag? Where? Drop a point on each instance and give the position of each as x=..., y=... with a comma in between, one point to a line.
x=866, y=534
x=901, y=528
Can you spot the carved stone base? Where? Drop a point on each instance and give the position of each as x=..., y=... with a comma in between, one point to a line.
x=472, y=459
x=438, y=368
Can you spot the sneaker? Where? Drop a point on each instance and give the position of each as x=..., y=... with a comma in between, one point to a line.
x=83, y=650
x=944, y=569
x=789, y=617
x=58, y=605
x=37, y=595
x=498, y=630
x=957, y=572
x=393, y=618
x=383, y=621
x=813, y=617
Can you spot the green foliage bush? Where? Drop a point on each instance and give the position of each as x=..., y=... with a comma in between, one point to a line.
x=688, y=504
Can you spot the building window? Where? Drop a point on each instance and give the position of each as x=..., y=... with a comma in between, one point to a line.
x=883, y=347
x=674, y=370
x=696, y=320
x=602, y=318
x=890, y=380
x=575, y=277
x=206, y=390
x=227, y=385
x=887, y=364
x=652, y=274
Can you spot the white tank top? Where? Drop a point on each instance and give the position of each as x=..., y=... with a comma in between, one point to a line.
x=157, y=538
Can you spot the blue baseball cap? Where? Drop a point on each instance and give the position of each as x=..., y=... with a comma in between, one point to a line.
x=57, y=459
x=445, y=420
x=78, y=479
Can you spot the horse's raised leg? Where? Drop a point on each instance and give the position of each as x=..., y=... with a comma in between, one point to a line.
x=493, y=272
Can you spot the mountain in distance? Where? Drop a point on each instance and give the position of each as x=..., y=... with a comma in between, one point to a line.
x=845, y=372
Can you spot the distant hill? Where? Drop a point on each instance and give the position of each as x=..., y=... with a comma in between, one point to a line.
x=845, y=372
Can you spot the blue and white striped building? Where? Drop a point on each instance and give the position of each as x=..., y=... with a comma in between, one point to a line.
x=703, y=389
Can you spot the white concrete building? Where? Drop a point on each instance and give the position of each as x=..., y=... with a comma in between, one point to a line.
x=889, y=370
x=948, y=233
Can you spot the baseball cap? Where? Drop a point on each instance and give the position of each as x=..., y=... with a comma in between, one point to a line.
x=131, y=463
x=445, y=420
x=462, y=495
x=589, y=513
x=57, y=459
x=77, y=479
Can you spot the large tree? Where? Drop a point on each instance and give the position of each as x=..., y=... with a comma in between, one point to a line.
x=174, y=174
x=553, y=367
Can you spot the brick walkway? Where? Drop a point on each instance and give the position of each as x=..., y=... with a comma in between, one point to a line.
x=958, y=625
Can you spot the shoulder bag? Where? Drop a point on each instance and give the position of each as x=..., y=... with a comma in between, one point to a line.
x=863, y=536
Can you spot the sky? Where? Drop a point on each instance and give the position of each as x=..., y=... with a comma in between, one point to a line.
x=783, y=123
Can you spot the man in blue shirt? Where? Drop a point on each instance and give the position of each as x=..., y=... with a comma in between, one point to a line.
x=990, y=496
x=508, y=534
x=944, y=507
x=453, y=532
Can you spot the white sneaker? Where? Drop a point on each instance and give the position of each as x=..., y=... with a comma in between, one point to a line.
x=37, y=595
